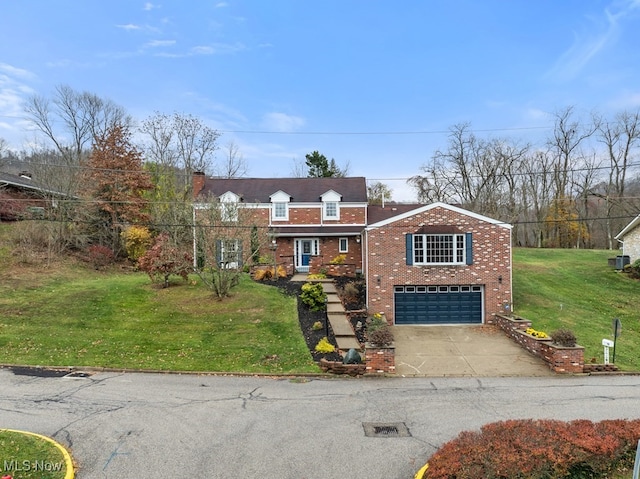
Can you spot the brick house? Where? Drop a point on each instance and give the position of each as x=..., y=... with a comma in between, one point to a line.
x=311, y=221
x=630, y=239
x=22, y=197
x=423, y=264
x=436, y=264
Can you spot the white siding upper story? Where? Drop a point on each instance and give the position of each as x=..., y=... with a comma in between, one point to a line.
x=630, y=239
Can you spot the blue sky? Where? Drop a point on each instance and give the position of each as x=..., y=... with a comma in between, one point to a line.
x=372, y=83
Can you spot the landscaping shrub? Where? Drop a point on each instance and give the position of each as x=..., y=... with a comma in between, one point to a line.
x=350, y=292
x=324, y=346
x=163, y=260
x=100, y=256
x=313, y=296
x=137, y=240
x=264, y=273
x=538, y=449
x=317, y=326
x=564, y=337
x=378, y=331
x=340, y=259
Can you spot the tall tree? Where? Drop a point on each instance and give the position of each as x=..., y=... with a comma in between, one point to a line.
x=176, y=146
x=233, y=164
x=319, y=167
x=114, y=183
x=621, y=138
x=66, y=125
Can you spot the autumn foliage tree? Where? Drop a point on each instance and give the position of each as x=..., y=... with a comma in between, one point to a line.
x=114, y=183
x=163, y=260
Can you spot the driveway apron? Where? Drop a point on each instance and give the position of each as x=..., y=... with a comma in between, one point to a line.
x=477, y=351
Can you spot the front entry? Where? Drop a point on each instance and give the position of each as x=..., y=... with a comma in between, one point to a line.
x=305, y=249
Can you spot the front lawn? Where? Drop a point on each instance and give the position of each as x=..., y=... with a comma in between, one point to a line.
x=576, y=289
x=71, y=315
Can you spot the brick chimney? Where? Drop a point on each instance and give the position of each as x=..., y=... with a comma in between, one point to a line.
x=198, y=183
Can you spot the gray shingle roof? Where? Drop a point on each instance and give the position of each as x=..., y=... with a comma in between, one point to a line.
x=301, y=190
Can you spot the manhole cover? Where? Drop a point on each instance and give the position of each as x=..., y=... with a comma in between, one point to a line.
x=386, y=429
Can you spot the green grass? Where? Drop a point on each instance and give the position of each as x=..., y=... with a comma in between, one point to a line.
x=28, y=456
x=576, y=289
x=74, y=316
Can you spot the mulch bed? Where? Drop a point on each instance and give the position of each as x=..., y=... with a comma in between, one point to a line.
x=307, y=318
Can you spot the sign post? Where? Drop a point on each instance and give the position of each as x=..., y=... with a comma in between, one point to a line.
x=617, y=328
x=607, y=343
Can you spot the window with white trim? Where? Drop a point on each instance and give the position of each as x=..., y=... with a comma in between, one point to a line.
x=331, y=210
x=343, y=245
x=439, y=249
x=280, y=211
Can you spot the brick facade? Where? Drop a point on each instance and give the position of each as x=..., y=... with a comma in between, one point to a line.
x=386, y=267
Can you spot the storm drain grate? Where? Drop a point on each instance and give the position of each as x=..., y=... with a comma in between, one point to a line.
x=386, y=429
x=77, y=374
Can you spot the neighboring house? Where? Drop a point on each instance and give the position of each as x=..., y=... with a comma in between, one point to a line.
x=630, y=239
x=433, y=264
x=437, y=264
x=311, y=220
x=20, y=197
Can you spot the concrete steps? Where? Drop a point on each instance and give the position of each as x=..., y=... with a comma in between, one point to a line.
x=340, y=324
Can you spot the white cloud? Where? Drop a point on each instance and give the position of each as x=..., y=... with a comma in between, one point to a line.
x=150, y=6
x=604, y=31
x=222, y=4
x=13, y=92
x=160, y=43
x=282, y=122
x=129, y=27
x=15, y=71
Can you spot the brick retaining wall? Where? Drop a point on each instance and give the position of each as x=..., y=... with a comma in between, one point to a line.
x=560, y=359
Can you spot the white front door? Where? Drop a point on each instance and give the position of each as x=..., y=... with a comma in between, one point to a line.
x=305, y=249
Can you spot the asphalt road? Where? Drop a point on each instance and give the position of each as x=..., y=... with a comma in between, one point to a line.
x=164, y=426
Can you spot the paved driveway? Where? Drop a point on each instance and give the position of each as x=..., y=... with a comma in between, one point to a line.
x=482, y=351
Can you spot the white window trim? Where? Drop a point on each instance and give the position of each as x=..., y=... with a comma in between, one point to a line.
x=346, y=243
x=459, y=252
x=274, y=217
x=325, y=215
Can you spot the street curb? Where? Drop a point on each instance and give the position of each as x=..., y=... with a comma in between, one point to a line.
x=70, y=474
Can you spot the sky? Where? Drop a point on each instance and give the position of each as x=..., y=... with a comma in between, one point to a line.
x=375, y=85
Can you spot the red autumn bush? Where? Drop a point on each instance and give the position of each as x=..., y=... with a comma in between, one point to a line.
x=538, y=449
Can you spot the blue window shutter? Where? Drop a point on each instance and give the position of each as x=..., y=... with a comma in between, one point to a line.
x=468, y=244
x=239, y=254
x=409, y=248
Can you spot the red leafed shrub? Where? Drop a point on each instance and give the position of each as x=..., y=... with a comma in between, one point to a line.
x=100, y=256
x=538, y=449
x=162, y=260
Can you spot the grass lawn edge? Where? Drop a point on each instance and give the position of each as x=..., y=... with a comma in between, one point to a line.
x=70, y=471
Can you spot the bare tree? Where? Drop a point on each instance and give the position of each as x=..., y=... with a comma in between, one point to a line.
x=620, y=138
x=176, y=147
x=226, y=238
x=378, y=193
x=66, y=125
x=233, y=164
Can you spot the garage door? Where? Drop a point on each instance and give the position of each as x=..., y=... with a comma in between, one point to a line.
x=438, y=304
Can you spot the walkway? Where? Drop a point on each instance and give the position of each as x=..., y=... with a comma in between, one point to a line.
x=338, y=318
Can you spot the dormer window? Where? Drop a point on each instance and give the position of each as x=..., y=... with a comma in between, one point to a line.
x=280, y=206
x=331, y=210
x=229, y=206
x=331, y=205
